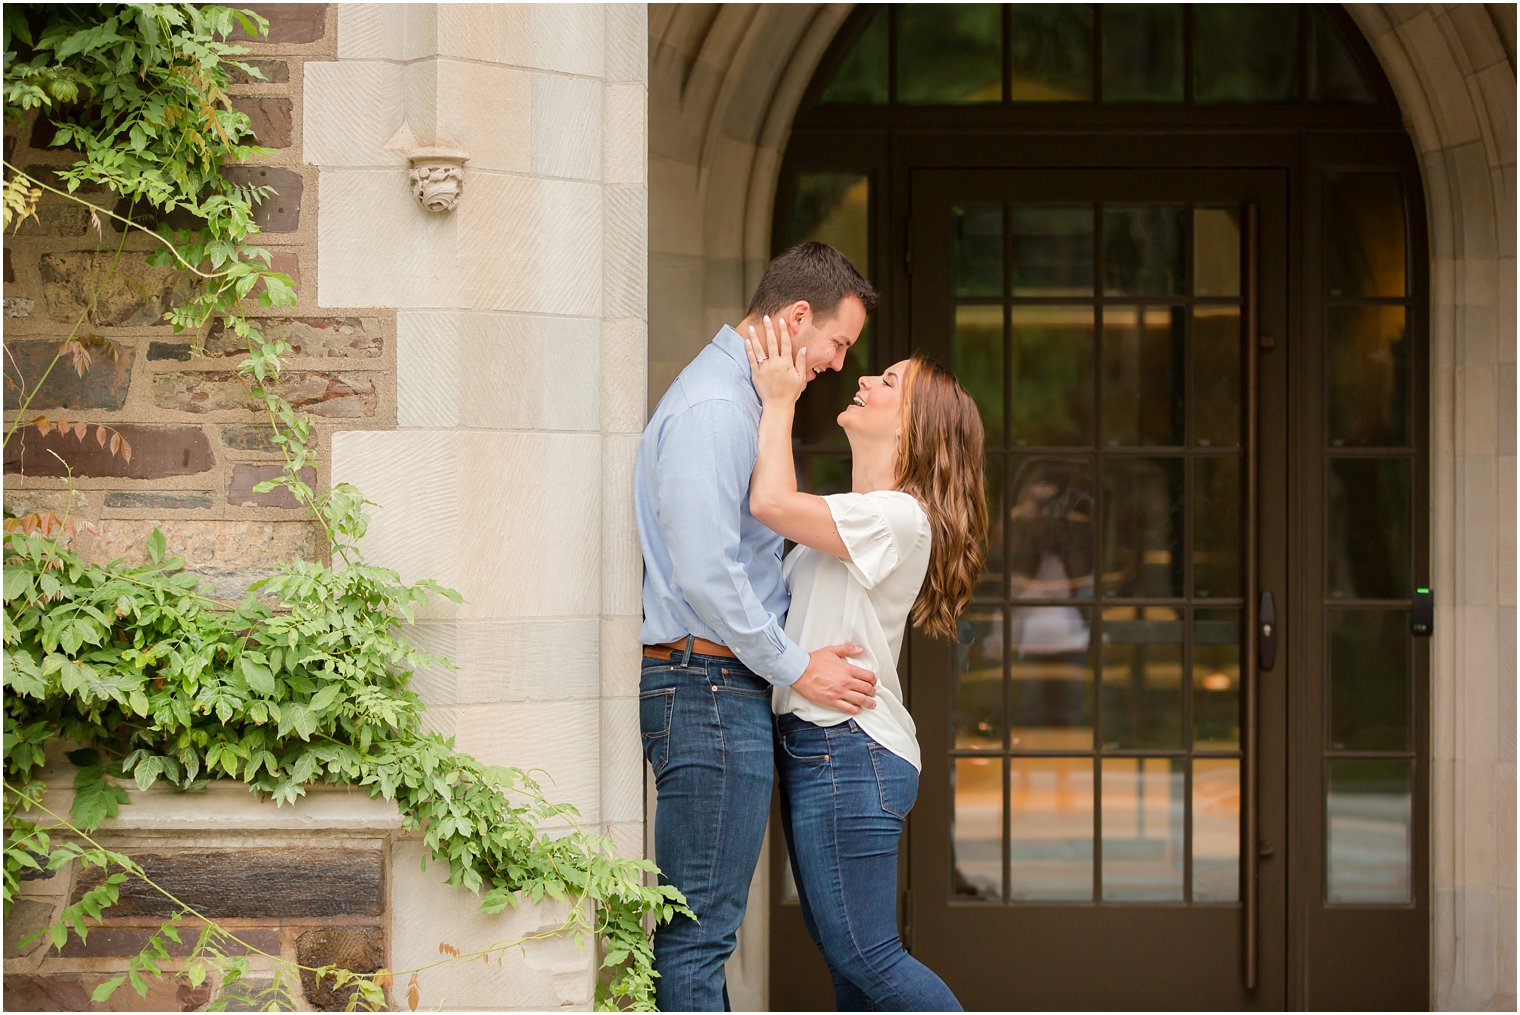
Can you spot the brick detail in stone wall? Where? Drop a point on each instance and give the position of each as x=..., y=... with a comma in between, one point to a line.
x=358, y=949
x=281, y=212
x=136, y=294
x=327, y=337
x=55, y=220
x=287, y=23
x=319, y=392
x=71, y=992
x=270, y=117
x=159, y=501
x=157, y=452
x=256, y=882
x=276, y=72
x=250, y=438
x=103, y=385
x=246, y=476
x=110, y=941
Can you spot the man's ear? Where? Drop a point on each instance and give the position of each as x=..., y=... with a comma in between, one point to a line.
x=798, y=312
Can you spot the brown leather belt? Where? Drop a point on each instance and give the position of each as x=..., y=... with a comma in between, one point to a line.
x=699, y=646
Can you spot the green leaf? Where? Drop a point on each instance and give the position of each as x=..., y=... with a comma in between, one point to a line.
x=260, y=680
x=103, y=993
x=18, y=582
x=147, y=771
x=325, y=697
x=156, y=546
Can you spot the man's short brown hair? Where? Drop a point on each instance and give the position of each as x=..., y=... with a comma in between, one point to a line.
x=810, y=271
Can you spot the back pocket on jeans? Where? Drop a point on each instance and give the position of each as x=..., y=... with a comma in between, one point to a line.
x=655, y=711
x=896, y=781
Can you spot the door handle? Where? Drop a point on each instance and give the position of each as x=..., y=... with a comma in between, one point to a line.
x=1266, y=644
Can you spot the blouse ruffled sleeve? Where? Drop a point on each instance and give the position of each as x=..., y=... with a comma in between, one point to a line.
x=877, y=529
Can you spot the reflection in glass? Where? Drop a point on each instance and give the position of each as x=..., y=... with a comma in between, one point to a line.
x=1142, y=527
x=1364, y=234
x=1216, y=679
x=834, y=208
x=862, y=76
x=1142, y=53
x=1052, y=52
x=955, y=53
x=1142, y=829
x=1333, y=74
x=1216, y=252
x=1369, y=680
x=1370, y=814
x=1245, y=53
x=1051, y=829
x=1369, y=376
x=1216, y=830
x=1142, y=678
x=978, y=688
x=1369, y=538
x=976, y=835
x=1216, y=527
x=1143, y=375
x=1050, y=696
x=990, y=584
x=1050, y=376
x=978, y=250
x=1216, y=376
x=1050, y=529
x=1142, y=251
x=978, y=363
x=1052, y=250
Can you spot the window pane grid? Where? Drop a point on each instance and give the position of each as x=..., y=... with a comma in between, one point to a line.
x=1154, y=842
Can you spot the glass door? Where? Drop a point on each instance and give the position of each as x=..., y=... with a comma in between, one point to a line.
x=1102, y=809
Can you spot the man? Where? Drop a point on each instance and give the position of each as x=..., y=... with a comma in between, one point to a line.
x=714, y=605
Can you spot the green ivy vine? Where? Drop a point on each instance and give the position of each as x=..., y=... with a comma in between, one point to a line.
x=305, y=680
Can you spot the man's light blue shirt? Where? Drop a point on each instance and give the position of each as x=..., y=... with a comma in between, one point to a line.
x=710, y=569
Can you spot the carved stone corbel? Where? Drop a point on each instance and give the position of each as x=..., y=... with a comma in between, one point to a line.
x=437, y=176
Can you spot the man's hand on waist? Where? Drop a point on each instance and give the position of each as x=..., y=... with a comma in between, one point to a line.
x=832, y=682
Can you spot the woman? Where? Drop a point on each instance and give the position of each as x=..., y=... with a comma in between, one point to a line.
x=906, y=539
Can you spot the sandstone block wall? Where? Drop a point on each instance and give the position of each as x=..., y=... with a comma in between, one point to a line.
x=199, y=442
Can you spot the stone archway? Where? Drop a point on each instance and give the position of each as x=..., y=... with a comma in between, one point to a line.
x=725, y=83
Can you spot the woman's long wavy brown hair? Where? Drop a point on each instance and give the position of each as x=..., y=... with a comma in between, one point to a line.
x=939, y=462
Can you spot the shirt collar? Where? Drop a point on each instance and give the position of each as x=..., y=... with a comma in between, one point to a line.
x=731, y=345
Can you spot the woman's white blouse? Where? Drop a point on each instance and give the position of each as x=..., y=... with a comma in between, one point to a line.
x=863, y=601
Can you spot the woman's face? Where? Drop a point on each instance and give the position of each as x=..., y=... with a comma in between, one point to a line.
x=876, y=410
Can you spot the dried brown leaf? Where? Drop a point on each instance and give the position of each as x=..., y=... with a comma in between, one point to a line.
x=413, y=993
x=115, y=443
x=44, y=426
x=100, y=435
x=80, y=429
x=126, y=450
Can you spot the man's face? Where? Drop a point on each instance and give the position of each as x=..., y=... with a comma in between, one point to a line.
x=828, y=339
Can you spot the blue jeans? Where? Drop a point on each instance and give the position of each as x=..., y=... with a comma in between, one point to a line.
x=844, y=799
x=706, y=722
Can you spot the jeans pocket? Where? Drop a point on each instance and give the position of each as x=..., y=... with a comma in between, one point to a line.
x=805, y=745
x=896, y=781
x=655, y=711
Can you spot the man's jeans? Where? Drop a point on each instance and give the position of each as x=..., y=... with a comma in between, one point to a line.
x=707, y=731
x=844, y=799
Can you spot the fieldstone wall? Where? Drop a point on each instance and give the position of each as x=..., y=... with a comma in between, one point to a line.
x=199, y=442
x=309, y=884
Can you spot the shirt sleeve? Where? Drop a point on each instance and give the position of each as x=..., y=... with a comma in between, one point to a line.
x=701, y=480
x=877, y=529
